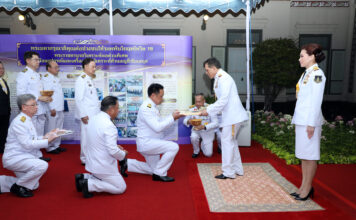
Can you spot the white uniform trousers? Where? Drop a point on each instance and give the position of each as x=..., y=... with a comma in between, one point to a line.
x=111, y=183
x=206, y=144
x=52, y=123
x=218, y=137
x=6, y=182
x=83, y=140
x=39, y=122
x=28, y=172
x=231, y=159
x=154, y=163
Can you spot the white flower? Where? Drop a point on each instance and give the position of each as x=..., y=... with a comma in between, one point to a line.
x=263, y=122
x=280, y=132
x=323, y=138
x=352, y=132
x=290, y=127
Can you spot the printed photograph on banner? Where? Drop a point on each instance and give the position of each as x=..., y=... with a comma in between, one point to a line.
x=134, y=80
x=122, y=131
x=132, y=132
x=121, y=119
x=117, y=85
x=69, y=93
x=100, y=93
x=134, y=91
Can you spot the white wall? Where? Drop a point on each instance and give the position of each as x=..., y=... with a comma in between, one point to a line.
x=275, y=18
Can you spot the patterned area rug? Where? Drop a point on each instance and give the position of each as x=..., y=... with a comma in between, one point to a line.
x=261, y=189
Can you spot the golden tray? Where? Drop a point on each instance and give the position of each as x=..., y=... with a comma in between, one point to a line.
x=48, y=93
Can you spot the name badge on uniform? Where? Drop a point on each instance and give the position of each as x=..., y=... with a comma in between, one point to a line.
x=318, y=79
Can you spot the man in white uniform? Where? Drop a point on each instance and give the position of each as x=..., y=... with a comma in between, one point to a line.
x=150, y=136
x=21, y=146
x=205, y=131
x=29, y=82
x=55, y=116
x=233, y=113
x=86, y=101
x=102, y=153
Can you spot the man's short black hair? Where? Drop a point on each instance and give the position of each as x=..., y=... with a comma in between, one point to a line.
x=212, y=61
x=87, y=61
x=200, y=94
x=107, y=102
x=29, y=55
x=48, y=64
x=154, y=88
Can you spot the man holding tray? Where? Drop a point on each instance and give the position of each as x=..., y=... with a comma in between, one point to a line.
x=22, y=145
x=150, y=142
x=102, y=153
x=233, y=113
x=205, y=130
x=55, y=116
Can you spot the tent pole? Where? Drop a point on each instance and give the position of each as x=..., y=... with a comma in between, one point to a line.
x=110, y=18
x=248, y=11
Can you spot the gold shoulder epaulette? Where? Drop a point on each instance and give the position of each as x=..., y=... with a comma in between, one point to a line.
x=46, y=75
x=192, y=106
x=315, y=68
x=23, y=119
x=83, y=76
x=219, y=75
x=149, y=105
x=24, y=70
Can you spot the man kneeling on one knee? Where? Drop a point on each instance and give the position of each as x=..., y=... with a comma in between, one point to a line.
x=21, y=150
x=205, y=131
x=102, y=153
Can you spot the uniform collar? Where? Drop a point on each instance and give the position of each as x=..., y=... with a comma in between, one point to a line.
x=220, y=72
x=311, y=67
x=151, y=102
x=27, y=117
x=106, y=115
x=29, y=68
x=50, y=74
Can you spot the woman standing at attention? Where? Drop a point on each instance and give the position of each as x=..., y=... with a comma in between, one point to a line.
x=308, y=117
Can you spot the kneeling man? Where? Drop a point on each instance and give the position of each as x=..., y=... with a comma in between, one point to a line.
x=150, y=136
x=205, y=131
x=21, y=150
x=102, y=153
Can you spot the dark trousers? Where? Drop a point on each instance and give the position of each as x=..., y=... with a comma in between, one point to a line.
x=4, y=126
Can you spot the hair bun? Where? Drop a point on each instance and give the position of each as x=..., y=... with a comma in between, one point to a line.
x=319, y=56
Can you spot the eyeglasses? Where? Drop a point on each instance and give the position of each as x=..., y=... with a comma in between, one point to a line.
x=32, y=105
x=36, y=59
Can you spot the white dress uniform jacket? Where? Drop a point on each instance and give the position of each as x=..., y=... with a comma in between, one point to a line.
x=232, y=114
x=20, y=153
x=309, y=98
x=207, y=136
x=51, y=82
x=228, y=103
x=30, y=82
x=102, y=154
x=150, y=141
x=310, y=90
x=87, y=104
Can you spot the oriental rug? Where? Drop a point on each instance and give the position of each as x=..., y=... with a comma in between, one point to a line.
x=261, y=189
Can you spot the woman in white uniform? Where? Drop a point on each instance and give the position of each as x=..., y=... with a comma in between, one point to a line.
x=308, y=117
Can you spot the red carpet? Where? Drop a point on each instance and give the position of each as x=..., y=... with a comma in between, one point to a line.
x=183, y=199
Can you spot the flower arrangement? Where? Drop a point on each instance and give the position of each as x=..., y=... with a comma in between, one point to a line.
x=276, y=133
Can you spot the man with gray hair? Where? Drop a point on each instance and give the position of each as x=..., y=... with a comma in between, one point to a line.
x=21, y=150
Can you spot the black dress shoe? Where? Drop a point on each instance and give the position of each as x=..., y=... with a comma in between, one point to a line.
x=78, y=177
x=294, y=194
x=61, y=149
x=55, y=151
x=123, y=167
x=21, y=191
x=310, y=194
x=195, y=155
x=222, y=177
x=85, y=190
x=219, y=150
x=47, y=159
x=162, y=178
